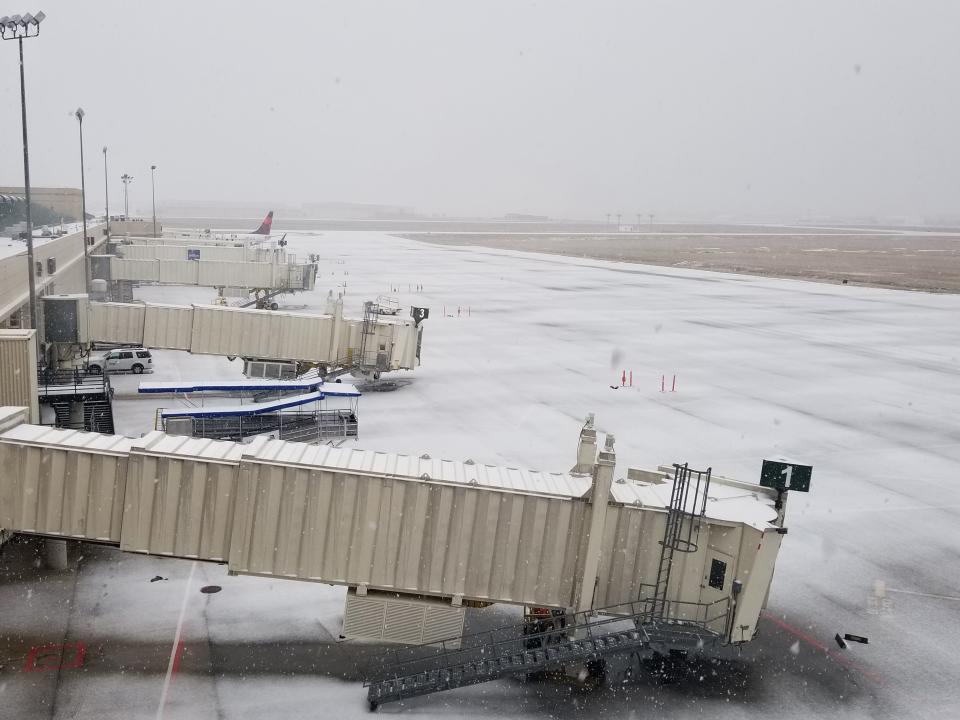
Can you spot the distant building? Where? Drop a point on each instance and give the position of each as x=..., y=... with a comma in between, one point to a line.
x=354, y=211
x=523, y=217
x=65, y=203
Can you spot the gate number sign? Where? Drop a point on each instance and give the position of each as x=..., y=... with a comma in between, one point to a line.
x=785, y=476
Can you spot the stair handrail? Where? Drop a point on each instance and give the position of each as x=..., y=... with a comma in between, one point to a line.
x=639, y=612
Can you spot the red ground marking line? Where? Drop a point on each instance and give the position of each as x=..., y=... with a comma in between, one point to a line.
x=177, y=658
x=820, y=646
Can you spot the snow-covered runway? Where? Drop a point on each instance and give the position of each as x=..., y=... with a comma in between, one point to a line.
x=863, y=384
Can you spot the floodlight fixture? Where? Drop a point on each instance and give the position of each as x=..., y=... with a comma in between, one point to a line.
x=18, y=27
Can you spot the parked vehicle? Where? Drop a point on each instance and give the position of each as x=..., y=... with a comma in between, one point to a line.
x=134, y=360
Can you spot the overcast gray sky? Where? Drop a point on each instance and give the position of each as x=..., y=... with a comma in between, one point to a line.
x=743, y=107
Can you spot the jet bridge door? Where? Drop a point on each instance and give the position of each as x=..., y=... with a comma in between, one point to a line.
x=717, y=580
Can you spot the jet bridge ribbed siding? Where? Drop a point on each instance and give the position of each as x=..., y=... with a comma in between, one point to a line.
x=260, y=333
x=180, y=497
x=179, y=272
x=18, y=376
x=387, y=521
x=63, y=482
x=134, y=269
x=168, y=326
x=395, y=533
x=121, y=323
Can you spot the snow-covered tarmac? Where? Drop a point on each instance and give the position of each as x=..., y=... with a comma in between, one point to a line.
x=864, y=384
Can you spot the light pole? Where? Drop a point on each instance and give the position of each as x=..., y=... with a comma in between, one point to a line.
x=618, y=222
x=83, y=205
x=153, y=195
x=127, y=179
x=17, y=28
x=106, y=189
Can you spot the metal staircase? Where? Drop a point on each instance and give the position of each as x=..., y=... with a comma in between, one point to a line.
x=62, y=412
x=62, y=389
x=369, y=356
x=652, y=622
x=98, y=416
x=574, y=639
x=688, y=504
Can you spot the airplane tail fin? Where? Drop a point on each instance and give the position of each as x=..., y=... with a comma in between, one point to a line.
x=265, y=226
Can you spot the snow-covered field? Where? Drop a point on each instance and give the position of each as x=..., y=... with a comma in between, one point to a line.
x=863, y=384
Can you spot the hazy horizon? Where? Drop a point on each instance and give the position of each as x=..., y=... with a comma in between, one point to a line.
x=747, y=109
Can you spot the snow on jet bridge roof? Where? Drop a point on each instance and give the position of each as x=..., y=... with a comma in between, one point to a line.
x=159, y=443
x=68, y=439
x=727, y=500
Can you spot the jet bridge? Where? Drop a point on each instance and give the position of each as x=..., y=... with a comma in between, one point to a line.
x=169, y=249
x=416, y=539
x=218, y=267
x=329, y=342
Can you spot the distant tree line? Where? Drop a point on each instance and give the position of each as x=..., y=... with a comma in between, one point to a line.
x=16, y=212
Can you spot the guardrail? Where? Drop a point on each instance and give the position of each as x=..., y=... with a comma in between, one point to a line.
x=54, y=382
x=506, y=642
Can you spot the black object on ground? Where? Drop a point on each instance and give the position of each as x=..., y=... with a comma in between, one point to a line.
x=856, y=638
x=210, y=589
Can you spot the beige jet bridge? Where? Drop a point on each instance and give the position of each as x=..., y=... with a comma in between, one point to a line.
x=415, y=539
x=234, y=271
x=330, y=342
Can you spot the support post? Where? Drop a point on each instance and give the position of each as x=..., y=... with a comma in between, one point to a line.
x=586, y=448
x=31, y=281
x=603, y=470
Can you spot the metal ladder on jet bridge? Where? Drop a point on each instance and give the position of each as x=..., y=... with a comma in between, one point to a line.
x=574, y=638
x=688, y=504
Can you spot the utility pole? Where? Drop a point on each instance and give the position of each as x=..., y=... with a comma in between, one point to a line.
x=106, y=189
x=153, y=195
x=17, y=28
x=83, y=206
x=127, y=179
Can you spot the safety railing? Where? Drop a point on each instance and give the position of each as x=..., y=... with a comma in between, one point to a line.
x=53, y=382
x=302, y=426
x=691, y=625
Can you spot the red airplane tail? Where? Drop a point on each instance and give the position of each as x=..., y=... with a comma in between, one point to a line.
x=265, y=226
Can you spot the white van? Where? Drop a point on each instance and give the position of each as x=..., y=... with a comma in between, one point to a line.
x=134, y=360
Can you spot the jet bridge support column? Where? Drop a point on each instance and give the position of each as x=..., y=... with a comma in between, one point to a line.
x=603, y=471
x=586, y=448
